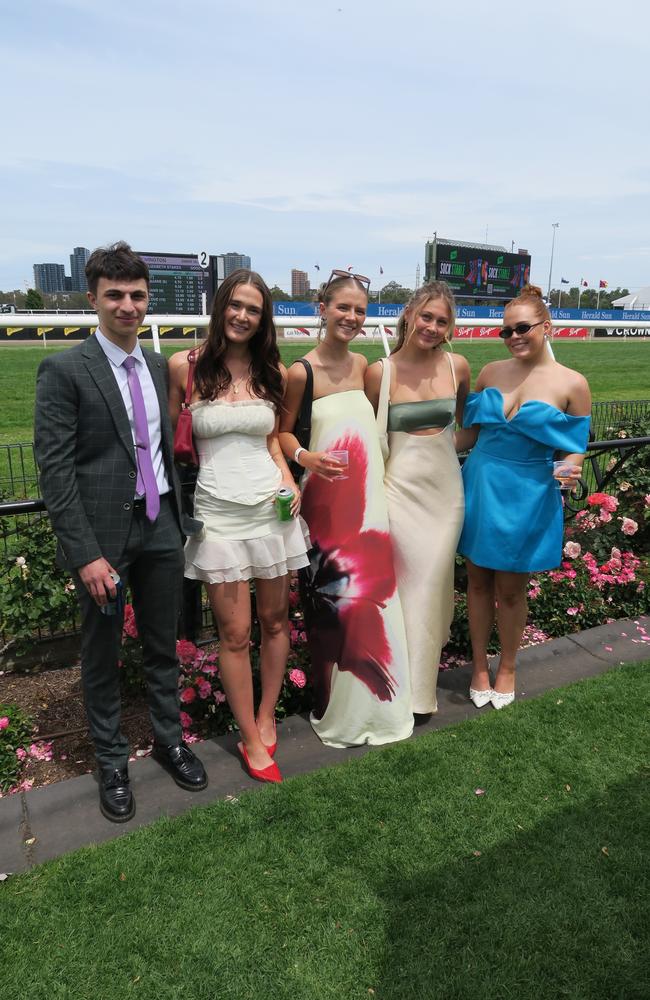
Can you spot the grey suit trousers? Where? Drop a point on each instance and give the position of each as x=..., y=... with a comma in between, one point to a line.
x=152, y=565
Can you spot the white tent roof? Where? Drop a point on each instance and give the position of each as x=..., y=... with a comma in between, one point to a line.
x=638, y=300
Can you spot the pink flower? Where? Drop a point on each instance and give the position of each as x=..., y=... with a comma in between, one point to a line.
x=572, y=611
x=534, y=592
x=209, y=667
x=186, y=651
x=129, y=628
x=219, y=697
x=647, y=499
x=186, y=720
x=603, y=500
x=628, y=526
x=4, y=722
x=204, y=688
x=605, y=517
x=21, y=754
x=188, y=695
x=297, y=678
x=572, y=550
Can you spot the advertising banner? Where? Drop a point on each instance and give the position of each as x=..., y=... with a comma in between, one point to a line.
x=485, y=274
x=614, y=332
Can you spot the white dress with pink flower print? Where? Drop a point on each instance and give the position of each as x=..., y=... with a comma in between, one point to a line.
x=349, y=593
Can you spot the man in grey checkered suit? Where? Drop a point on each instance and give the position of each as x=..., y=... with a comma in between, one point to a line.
x=104, y=448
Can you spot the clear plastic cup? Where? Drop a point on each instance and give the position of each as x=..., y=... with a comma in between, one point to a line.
x=563, y=473
x=341, y=455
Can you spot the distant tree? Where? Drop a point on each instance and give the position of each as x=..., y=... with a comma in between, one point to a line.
x=588, y=299
x=34, y=299
x=279, y=295
x=394, y=292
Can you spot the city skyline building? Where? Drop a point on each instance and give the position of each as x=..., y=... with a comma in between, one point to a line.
x=299, y=283
x=233, y=261
x=49, y=278
x=78, y=259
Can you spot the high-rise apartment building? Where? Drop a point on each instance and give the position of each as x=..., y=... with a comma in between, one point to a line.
x=233, y=261
x=49, y=277
x=78, y=259
x=299, y=284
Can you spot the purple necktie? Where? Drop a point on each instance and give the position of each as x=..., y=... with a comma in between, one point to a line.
x=146, y=481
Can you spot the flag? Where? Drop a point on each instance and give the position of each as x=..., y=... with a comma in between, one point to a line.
x=317, y=266
x=584, y=283
x=381, y=270
x=564, y=281
x=602, y=284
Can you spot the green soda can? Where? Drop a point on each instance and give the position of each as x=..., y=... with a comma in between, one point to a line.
x=283, y=499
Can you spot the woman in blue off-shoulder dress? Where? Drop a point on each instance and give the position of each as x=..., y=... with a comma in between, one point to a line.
x=526, y=412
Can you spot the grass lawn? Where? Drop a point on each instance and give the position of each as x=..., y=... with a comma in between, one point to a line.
x=387, y=877
x=614, y=371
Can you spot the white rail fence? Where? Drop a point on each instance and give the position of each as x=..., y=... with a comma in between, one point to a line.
x=296, y=327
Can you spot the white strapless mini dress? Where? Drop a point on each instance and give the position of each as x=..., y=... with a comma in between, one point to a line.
x=242, y=538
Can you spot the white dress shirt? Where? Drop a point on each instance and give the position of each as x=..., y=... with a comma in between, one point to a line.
x=116, y=358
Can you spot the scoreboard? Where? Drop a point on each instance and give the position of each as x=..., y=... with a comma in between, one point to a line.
x=176, y=283
x=477, y=271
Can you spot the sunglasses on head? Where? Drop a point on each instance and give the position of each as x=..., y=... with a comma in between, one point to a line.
x=361, y=278
x=520, y=329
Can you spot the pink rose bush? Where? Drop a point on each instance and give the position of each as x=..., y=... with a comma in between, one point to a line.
x=204, y=707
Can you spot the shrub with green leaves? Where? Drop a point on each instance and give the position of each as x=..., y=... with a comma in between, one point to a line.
x=15, y=730
x=34, y=593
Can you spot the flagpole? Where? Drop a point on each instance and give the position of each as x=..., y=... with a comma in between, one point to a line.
x=598, y=299
x=580, y=291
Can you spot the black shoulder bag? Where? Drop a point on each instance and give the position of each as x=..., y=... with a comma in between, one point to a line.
x=302, y=429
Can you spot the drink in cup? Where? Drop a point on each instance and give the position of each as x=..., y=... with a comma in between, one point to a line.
x=341, y=455
x=564, y=474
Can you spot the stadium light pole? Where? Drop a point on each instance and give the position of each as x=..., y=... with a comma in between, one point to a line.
x=550, y=270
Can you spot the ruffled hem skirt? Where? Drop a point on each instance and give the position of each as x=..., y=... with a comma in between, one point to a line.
x=262, y=548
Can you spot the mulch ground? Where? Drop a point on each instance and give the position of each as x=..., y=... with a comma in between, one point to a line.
x=54, y=701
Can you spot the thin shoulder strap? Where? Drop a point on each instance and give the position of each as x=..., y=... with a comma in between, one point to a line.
x=384, y=393
x=450, y=359
x=189, y=387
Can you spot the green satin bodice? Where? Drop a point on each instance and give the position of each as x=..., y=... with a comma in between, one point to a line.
x=421, y=415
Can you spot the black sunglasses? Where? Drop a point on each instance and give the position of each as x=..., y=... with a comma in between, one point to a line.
x=520, y=329
x=361, y=278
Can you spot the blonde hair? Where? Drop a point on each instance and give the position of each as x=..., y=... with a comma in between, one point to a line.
x=432, y=290
x=531, y=295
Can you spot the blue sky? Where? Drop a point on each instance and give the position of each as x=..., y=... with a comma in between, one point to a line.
x=339, y=133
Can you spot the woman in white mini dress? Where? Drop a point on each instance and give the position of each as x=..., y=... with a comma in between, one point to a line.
x=238, y=387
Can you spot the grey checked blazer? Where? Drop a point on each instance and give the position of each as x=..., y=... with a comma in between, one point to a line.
x=84, y=449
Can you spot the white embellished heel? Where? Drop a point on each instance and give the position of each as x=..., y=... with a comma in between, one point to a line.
x=500, y=700
x=480, y=698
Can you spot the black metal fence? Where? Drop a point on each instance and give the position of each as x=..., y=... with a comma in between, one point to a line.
x=618, y=431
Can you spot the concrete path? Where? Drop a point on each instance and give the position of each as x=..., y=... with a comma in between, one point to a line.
x=47, y=822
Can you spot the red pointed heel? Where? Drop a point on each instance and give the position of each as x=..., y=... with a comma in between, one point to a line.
x=270, y=773
x=274, y=746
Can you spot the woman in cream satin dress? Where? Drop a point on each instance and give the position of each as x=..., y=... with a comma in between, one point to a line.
x=418, y=394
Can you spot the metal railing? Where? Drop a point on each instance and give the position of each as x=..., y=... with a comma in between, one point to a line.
x=620, y=429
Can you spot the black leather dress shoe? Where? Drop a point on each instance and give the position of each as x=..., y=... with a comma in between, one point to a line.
x=116, y=800
x=185, y=767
